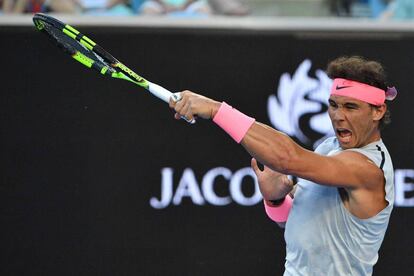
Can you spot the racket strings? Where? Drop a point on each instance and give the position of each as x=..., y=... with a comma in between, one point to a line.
x=58, y=39
x=72, y=46
x=84, y=50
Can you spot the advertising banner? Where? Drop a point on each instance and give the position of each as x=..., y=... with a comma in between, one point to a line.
x=98, y=178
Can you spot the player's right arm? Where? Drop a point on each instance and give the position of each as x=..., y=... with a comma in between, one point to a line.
x=279, y=152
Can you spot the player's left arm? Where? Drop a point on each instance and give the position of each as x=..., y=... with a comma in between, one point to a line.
x=362, y=180
x=347, y=169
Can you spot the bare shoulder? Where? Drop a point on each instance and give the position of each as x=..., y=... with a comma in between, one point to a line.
x=366, y=172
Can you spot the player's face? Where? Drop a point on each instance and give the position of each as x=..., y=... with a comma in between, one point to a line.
x=355, y=122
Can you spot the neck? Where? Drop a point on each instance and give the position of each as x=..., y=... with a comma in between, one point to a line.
x=375, y=136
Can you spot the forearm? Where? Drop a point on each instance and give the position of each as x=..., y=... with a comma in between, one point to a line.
x=271, y=148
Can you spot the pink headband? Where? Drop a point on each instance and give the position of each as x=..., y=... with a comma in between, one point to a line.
x=362, y=91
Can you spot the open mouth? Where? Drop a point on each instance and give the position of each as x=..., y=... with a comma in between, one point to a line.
x=344, y=135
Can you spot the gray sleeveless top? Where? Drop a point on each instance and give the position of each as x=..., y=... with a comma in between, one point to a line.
x=323, y=237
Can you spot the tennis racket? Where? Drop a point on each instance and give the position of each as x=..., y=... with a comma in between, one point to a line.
x=90, y=54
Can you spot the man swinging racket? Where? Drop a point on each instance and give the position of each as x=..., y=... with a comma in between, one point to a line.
x=336, y=216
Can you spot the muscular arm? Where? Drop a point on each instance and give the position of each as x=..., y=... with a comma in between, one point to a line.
x=362, y=180
x=279, y=152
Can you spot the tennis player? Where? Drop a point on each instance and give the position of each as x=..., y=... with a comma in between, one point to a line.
x=337, y=214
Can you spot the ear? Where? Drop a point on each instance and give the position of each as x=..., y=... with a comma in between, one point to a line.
x=378, y=112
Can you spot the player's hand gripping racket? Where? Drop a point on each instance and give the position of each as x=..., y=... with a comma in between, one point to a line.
x=90, y=54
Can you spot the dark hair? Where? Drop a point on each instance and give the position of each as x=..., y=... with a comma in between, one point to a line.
x=359, y=69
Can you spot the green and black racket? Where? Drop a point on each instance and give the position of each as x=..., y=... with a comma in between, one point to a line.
x=90, y=54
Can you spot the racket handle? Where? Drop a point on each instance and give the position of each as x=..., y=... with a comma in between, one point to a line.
x=159, y=92
x=165, y=95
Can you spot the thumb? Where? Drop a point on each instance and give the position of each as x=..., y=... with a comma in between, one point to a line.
x=255, y=167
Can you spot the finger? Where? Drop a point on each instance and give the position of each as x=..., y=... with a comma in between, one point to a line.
x=172, y=103
x=183, y=110
x=179, y=106
x=255, y=167
x=173, y=100
x=187, y=112
x=176, y=97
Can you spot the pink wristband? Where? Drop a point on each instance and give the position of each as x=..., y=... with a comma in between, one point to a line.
x=279, y=213
x=232, y=121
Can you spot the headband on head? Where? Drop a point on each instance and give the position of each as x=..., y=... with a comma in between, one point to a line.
x=362, y=91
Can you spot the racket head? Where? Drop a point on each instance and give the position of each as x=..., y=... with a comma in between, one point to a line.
x=84, y=50
x=90, y=54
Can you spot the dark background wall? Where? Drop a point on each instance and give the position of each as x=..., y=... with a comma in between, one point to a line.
x=82, y=155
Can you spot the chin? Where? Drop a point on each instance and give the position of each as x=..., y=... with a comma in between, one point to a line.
x=345, y=145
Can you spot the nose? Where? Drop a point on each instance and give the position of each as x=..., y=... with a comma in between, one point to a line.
x=337, y=114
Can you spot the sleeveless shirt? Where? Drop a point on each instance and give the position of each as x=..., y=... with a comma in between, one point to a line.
x=322, y=236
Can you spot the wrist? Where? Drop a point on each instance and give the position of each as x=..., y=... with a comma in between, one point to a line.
x=232, y=121
x=275, y=202
x=215, y=108
x=281, y=212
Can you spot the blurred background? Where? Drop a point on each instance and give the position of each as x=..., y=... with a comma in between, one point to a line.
x=381, y=9
x=97, y=178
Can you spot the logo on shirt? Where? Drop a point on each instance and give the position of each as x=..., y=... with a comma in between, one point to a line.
x=299, y=107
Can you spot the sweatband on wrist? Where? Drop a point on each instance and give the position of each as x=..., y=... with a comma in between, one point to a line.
x=279, y=213
x=232, y=121
x=277, y=202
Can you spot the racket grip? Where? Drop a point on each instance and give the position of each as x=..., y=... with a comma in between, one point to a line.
x=159, y=92
x=165, y=95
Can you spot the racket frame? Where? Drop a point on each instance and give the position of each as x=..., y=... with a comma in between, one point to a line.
x=116, y=69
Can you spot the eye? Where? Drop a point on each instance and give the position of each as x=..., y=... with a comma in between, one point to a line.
x=351, y=106
x=332, y=104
